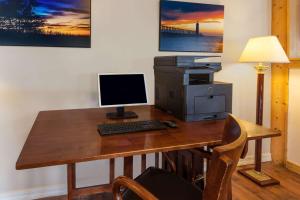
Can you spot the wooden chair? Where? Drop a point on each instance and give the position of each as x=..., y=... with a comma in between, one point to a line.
x=207, y=154
x=160, y=184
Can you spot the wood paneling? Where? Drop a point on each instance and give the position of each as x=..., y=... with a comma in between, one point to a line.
x=280, y=84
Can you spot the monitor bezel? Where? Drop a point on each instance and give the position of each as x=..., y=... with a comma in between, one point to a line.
x=121, y=105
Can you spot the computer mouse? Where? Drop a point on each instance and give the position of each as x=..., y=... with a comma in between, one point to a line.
x=171, y=124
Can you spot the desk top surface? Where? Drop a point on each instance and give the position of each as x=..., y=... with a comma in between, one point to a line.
x=70, y=136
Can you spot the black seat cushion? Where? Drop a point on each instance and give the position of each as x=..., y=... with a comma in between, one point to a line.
x=165, y=186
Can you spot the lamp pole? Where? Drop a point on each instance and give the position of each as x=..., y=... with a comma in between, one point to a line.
x=259, y=116
x=256, y=174
x=259, y=112
x=261, y=50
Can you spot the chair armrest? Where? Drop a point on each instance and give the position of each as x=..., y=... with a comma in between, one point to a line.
x=202, y=153
x=170, y=162
x=124, y=182
x=245, y=150
x=219, y=179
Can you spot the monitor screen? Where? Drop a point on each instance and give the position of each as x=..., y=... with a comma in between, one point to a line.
x=121, y=89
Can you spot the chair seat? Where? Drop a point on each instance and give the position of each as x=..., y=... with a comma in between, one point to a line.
x=165, y=186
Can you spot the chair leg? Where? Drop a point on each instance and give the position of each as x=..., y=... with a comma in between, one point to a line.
x=229, y=191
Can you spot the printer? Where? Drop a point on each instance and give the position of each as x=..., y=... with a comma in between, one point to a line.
x=185, y=88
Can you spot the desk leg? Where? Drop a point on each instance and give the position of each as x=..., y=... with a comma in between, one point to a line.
x=111, y=170
x=157, y=160
x=71, y=170
x=144, y=163
x=76, y=193
x=258, y=153
x=256, y=175
x=128, y=166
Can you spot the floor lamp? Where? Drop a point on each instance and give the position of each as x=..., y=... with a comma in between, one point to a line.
x=261, y=50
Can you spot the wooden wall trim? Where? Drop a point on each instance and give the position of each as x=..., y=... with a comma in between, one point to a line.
x=293, y=167
x=280, y=84
x=294, y=64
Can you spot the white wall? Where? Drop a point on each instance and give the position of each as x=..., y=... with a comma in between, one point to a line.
x=293, y=118
x=124, y=39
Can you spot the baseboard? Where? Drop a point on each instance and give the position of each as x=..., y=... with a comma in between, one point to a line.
x=249, y=160
x=47, y=191
x=293, y=167
x=35, y=193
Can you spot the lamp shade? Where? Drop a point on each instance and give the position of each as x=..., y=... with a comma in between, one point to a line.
x=264, y=50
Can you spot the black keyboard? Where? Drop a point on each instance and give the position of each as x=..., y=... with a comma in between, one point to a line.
x=130, y=127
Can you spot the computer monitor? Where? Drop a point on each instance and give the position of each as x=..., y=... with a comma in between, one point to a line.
x=120, y=90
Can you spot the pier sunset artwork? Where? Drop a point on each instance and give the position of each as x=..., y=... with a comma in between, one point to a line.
x=54, y=23
x=191, y=27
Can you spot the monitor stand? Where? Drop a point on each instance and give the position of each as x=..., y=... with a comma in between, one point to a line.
x=121, y=114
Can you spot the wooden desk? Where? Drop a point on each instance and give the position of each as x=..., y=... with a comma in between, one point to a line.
x=70, y=136
x=255, y=131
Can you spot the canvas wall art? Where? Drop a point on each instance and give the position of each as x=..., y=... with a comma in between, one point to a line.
x=55, y=23
x=191, y=27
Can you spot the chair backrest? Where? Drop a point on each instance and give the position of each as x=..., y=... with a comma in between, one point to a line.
x=224, y=161
x=228, y=137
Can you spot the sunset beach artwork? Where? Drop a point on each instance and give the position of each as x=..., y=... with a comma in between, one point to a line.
x=191, y=27
x=54, y=23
